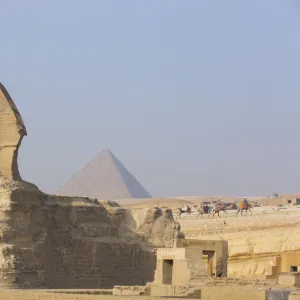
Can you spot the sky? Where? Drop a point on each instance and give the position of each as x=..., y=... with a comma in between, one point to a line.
x=194, y=97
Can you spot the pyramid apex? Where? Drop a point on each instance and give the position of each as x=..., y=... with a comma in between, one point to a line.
x=106, y=151
x=104, y=177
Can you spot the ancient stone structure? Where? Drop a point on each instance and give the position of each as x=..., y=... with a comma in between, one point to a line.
x=197, y=269
x=269, y=265
x=214, y=253
x=191, y=260
x=104, y=177
x=177, y=266
x=294, y=296
x=156, y=224
x=289, y=279
x=12, y=130
x=66, y=242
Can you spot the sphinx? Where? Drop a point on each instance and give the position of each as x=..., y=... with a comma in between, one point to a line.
x=12, y=131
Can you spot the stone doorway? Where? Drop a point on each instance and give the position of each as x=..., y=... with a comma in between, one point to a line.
x=168, y=271
x=208, y=257
x=294, y=269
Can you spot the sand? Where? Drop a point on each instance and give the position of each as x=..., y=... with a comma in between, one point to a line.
x=45, y=295
x=153, y=202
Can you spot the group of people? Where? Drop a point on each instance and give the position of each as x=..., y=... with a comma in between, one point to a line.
x=214, y=208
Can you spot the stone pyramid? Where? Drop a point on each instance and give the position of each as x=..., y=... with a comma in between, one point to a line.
x=104, y=178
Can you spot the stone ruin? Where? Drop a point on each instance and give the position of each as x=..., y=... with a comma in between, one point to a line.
x=52, y=241
x=12, y=131
x=184, y=269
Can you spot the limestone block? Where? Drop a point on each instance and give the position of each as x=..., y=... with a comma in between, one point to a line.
x=12, y=130
x=289, y=279
x=236, y=292
x=129, y=290
x=168, y=290
x=294, y=296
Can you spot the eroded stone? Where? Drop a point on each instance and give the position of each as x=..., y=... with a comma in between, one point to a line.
x=12, y=130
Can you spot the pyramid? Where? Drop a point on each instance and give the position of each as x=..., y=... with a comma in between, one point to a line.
x=104, y=178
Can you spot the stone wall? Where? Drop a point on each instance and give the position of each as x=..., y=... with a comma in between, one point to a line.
x=61, y=242
x=218, y=251
x=57, y=242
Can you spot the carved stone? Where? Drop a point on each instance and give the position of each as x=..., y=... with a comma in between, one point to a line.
x=12, y=130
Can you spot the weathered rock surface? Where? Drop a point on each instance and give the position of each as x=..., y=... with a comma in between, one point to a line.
x=255, y=242
x=55, y=242
x=158, y=226
x=66, y=242
x=12, y=130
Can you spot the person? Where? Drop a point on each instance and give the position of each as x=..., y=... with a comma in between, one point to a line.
x=245, y=201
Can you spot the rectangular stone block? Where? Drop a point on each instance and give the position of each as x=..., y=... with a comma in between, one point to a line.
x=129, y=290
x=289, y=279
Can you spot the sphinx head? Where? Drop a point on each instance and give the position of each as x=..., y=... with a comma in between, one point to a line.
x=12, y=131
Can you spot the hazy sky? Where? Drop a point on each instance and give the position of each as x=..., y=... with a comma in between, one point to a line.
x=194, y=97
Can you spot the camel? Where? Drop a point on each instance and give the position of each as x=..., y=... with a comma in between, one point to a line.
x=219, y=207
x=181, y=211
x=199, y=209
x=244, y=206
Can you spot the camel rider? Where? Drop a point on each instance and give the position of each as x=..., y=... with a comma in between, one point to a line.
x=241, y=205
x=244, y=204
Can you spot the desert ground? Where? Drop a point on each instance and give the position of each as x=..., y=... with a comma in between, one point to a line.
x=46, y=295
x=262, y=218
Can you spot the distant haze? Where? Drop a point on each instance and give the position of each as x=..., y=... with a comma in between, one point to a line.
x=193, y=97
